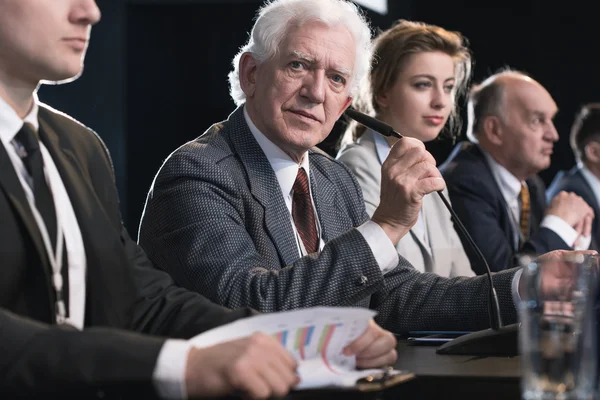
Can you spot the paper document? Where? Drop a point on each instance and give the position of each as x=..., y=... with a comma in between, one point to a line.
x=315, y=336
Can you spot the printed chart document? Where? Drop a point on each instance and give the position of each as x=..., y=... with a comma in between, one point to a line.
x=315, y=336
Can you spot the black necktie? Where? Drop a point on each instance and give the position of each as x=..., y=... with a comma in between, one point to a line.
x=41, y=192
x=44, y=202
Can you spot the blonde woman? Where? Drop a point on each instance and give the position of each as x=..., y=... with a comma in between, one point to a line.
x=418, y=70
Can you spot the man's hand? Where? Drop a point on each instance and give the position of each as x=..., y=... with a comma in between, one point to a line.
x=408, y=174
x=257, y=366
x=559, y=272
x=574, y=211
x=584, y=227
x=375, y=348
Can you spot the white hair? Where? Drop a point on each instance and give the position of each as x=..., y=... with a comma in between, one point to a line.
x=277, y=16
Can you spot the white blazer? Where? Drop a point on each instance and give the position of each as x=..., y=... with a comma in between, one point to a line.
x=434, y=248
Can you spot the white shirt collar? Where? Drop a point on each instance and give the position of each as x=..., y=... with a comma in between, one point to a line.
x=591, y=179
x=510, y=185
x=11, y=123
x=381, y=145
x=284, y=167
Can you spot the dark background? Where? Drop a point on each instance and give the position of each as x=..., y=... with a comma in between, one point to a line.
x=156, y=71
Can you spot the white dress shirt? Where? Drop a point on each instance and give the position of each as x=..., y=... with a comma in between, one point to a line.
x=169, y=373
x=510, y=187
x=286, y=170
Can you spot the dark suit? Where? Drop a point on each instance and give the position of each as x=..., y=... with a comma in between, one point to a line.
x=478, y=202
x=216, y=220
x=575, y=182
x=124, y=290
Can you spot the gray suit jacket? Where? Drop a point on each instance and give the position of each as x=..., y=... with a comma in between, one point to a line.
x=216, y=220
x=447, y=256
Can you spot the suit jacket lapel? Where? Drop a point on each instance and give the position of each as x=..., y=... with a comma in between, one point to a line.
x=490, y=178
x=11, y=185
x=264, y=187
x=537, y=204
x=103, y=254
x=323, y=191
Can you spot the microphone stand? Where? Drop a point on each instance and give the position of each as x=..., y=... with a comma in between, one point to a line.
x=498, y=339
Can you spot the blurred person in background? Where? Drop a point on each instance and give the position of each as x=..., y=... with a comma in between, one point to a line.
x=493, y=181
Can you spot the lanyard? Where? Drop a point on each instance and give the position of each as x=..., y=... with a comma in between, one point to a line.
x=55, y=258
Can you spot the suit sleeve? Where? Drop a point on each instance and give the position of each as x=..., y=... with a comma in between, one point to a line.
x=42, y=359
x=367, y=171
x=479, y=210
x=162, y=307
x=197, y=227
x=542, y=240
x=424, y=301
x=166, y=309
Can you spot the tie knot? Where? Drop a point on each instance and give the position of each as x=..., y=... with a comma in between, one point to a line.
x=301, y=183
x=28, y=137
x=524, y=193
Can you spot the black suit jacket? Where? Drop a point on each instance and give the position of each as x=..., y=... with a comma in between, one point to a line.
x=575, y=182
x=479, y=204
x=125, y=292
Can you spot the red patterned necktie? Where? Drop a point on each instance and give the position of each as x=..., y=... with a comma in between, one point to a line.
x=303, y=213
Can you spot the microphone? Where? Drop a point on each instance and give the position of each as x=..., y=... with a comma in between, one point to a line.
x=372, y=123
x=498, y=339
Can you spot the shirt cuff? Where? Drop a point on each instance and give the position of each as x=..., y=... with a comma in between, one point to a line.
x=169, y=373
x=515, y=287
x=561, y=228
x=583, y=243
x=382, y=247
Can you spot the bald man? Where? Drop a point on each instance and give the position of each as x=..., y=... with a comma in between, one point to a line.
x=493, y=183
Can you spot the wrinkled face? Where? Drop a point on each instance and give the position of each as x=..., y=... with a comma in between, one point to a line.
x=421, y=100
x=295, y=98
x=45, y=39
x=528, y=133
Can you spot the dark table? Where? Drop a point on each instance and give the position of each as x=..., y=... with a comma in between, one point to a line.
x=460, y=377
x=440, y=377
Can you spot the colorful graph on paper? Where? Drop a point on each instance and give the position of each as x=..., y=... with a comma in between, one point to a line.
x=324, y=342
x=305, y=338
x=315, y=337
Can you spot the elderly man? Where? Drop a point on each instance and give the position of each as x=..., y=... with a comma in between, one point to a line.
x=493, y=184
x=251, y=213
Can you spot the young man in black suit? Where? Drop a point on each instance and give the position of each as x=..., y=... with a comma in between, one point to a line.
x=82, y=310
